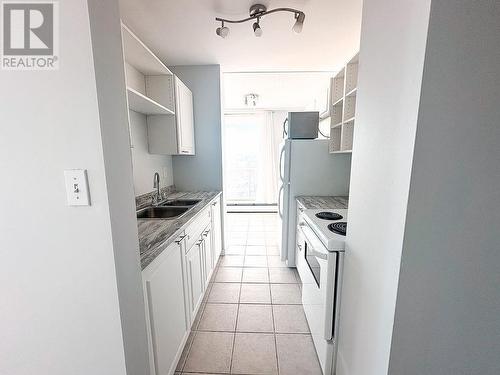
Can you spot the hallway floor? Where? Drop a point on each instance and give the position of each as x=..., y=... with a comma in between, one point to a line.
x=251, y=321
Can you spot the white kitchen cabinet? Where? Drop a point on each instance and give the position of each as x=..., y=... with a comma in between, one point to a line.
x=184, y=117
x=166, y=312
x=195, y=278
x=172, y=135
x=208, y=254
x=216, y=230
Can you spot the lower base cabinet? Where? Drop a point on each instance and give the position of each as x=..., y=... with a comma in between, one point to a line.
x=164, y=293
x=195, y=282
x=174, y=287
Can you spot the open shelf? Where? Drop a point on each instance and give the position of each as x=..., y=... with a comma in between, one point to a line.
x=140, y=103
x=352, y=92
x=347, y=136
x=338, y=102
x=336, y=114
x=337, y=86
x=344, y=87
x=351, y=73
x=140, y=56
x=335, y=138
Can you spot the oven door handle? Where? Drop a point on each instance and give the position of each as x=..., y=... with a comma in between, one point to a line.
x=311, y=237
x=317, y=254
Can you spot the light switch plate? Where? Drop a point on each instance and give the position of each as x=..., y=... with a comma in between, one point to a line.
x=77, y=187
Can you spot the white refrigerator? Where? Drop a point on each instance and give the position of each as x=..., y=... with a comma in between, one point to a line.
x=307, y=168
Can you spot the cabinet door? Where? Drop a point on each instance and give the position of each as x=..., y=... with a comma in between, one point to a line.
x=216, y=230
x=185, y=118
x=194, y=266
x=208, y=254
x=164, y=291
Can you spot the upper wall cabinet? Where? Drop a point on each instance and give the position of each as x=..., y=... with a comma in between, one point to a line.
x=153, y=90
x=174, y=135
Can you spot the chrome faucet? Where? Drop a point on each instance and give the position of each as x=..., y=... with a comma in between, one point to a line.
x=156, y=185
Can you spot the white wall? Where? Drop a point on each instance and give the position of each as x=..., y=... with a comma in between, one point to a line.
x=202, y=171
x=61, y=305
x=448, y=306
x=393, y=40
x=113, y=114
x=145, y=164
x=297, y=91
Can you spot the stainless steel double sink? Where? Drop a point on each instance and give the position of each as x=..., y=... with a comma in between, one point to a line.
x=170, y=209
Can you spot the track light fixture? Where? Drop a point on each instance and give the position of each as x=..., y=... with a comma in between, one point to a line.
x=256, y=12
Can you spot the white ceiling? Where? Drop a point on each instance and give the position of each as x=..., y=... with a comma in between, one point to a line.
x=183, y=33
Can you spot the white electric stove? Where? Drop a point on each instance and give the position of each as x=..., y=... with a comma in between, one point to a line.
x=320, y=259
x=333, y=239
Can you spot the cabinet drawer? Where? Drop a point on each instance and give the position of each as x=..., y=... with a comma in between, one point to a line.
x=196, y=228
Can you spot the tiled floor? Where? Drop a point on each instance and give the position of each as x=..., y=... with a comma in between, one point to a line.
x=251, y=321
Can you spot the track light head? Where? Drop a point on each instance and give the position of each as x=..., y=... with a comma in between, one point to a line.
x=299, y=22
x=222, y=31
x=257, y=30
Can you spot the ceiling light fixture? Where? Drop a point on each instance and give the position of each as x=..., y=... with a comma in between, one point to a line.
x=222, y=31
x=251, y=100
x=256, y=12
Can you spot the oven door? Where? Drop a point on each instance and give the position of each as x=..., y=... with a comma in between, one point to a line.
x=318, y=284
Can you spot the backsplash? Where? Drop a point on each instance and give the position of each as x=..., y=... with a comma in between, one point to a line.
x=144, y=200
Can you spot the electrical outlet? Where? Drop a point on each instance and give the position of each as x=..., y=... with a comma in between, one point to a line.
x=77, y=187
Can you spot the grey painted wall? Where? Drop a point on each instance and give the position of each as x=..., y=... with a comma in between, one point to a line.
x=392, y=51
x=145, y=164
x=202, y=171
x=448, y=305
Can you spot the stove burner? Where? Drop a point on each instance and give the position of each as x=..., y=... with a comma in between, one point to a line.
x=329, y=215
x=339, y=227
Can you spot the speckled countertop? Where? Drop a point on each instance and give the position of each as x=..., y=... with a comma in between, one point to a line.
x=315, y=202
x=156, y=234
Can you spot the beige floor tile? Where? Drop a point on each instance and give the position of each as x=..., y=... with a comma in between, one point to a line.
x=255, y=275
x=197, y=318
x=272, y=242
x=273, y=250
x=235, y=242
x=285, y=294
x=185, y=351
x=232, y=261
x=255, y=241
x=255, y=318
x=290, y=319
x=256, y=250
x=296, y=355
x=224, y=293
x=229, y=275
x=254, y=353
x=275, y=261
x=282, y=276
x=236, y=249
x=255, y=293
x=237, y=234
x=210, y=352
x=255, y=261
x=219, y=317
x=257, y=234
